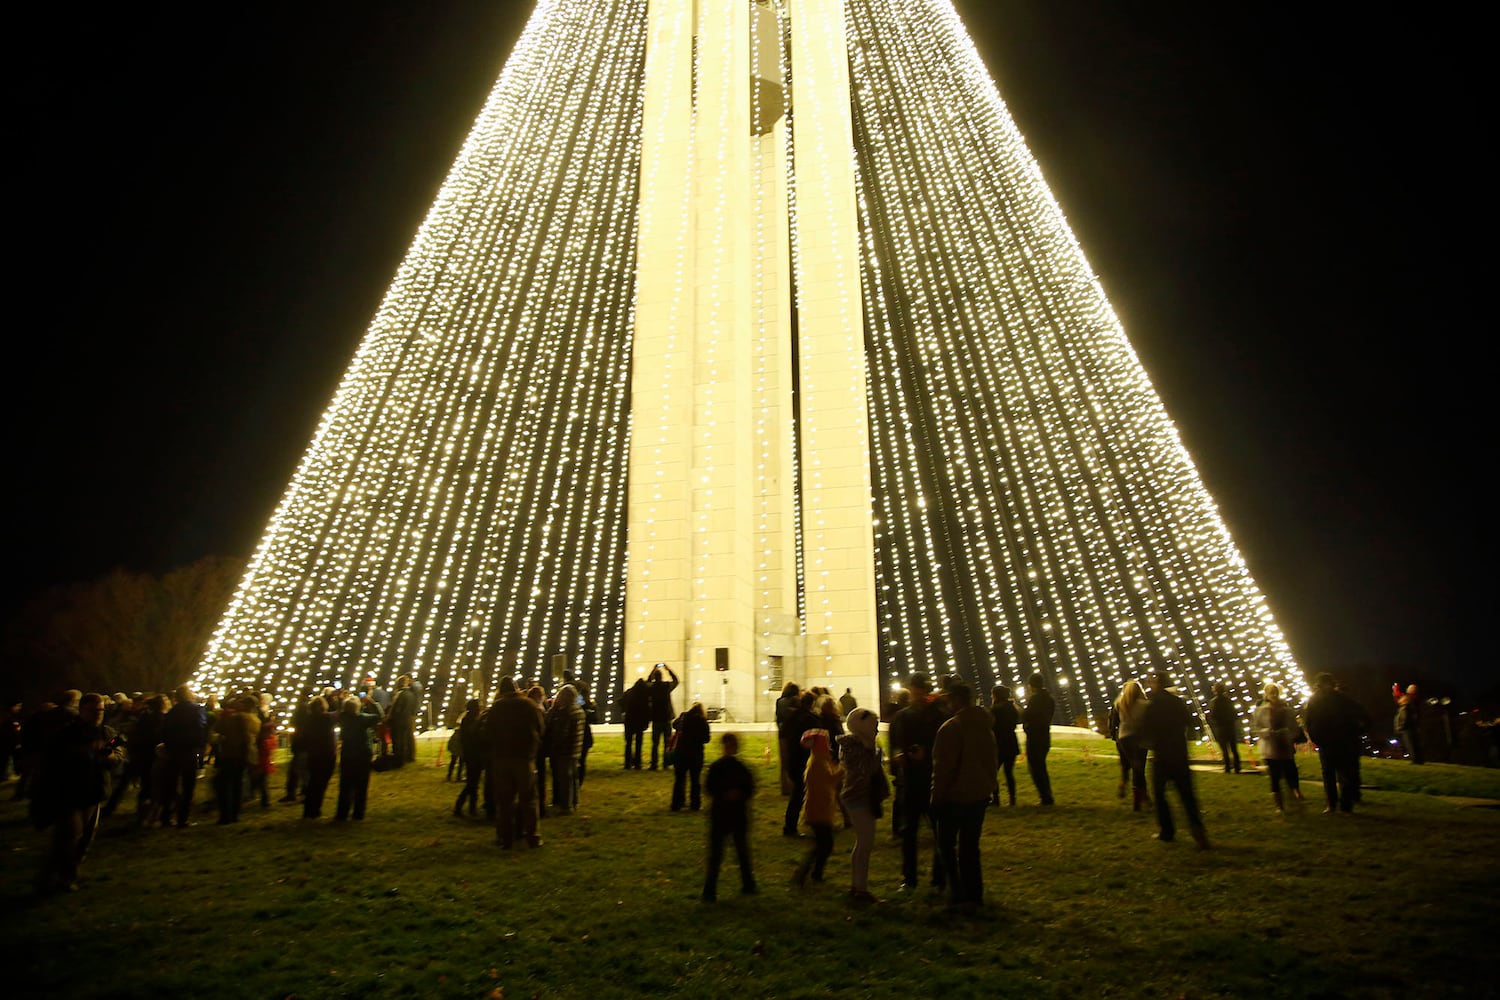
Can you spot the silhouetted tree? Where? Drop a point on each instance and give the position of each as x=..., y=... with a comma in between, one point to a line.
x=122, y=632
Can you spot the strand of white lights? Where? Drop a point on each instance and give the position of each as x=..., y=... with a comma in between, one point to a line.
x=404, y=527
x=1086, y=536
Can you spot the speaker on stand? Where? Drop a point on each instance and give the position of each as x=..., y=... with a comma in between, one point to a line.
x=721, y=664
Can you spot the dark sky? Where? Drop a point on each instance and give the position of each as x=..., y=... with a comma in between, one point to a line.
x=1281, y=208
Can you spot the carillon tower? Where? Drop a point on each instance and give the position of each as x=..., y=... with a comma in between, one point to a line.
x=746, y=336
x=750, y=547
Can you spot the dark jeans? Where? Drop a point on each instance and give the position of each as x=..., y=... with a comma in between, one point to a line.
x=735, y=828
x=1229, y=751
x=913, y=799
x=634, y=742
x=688, y=773
x=1283, y=770
x=660, y=732
x=296, y=775
x=1036, y=763
x=794, y=801
x=1412, y=740
x=565, y=781
x=1181, y=776
x=1340, y=778
x=229, y=789
x=319, y=774
x=514, y=782
x=473, y=782
x=180, y=789
x=822, y=850
x=1132, y=761
x=958, y=826
x=354, y=785
x=1008, y=770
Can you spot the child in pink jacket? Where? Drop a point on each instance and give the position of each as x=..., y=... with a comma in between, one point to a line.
x=820, y=807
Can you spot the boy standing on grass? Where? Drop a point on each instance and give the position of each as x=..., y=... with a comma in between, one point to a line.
x=730, y=786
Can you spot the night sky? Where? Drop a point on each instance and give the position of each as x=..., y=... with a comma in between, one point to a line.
x=1281, y=209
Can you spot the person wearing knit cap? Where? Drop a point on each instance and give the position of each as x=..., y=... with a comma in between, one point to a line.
x=819, y=804
x=864, y=789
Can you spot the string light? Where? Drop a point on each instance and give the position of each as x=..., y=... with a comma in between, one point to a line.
x=575, y=305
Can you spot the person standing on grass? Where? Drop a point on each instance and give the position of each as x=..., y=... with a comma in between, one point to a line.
x=1036, y=721
x=238, y=726
x=661, y=709
x=322, y=755
x=538, y=696
x=863, y=790
x=964, y=761
x=513, y=729
x=1165, y=732
x=730, y=787
x=912, y=732
x=296, y=768
x=687, y=764
x=564, y=736
x=801, y=722
x=635, y=713
x=185, y=732
x=1276, y=732
x=786, y=710
x=1224, y=723
x=265, y=750
x=1336, y=723
x=1408, y=722
x=1130, y=707
x=820, y=806
x=358, y=720
x=401, y=718
x=469, y=751
x=1006, y=716
x=141, y=751
x=72, y=783
x=590, y=717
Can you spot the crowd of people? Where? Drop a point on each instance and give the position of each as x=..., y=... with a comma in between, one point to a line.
x=945, y=760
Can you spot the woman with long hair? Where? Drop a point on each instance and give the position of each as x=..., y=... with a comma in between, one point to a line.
x=563, y=745
x=1131, y=708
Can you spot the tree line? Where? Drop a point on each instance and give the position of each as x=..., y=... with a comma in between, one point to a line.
x=125, y=631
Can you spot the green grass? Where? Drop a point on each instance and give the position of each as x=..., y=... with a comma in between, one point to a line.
x=1395, y=901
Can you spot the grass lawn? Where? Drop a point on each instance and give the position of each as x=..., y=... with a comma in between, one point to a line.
x=1396, y=901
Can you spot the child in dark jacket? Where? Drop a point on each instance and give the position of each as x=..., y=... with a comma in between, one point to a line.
x=730, y=786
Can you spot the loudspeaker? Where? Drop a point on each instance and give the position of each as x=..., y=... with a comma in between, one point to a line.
x=721, y=657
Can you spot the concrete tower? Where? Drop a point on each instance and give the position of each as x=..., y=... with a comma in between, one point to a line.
x=743, y=419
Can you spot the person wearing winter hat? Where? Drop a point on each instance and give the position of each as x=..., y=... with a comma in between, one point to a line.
x=864, y=789
x=819, y=804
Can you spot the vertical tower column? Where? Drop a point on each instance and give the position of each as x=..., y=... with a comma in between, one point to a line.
x=658, y=594
x=712, y=535
x=838, y=530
